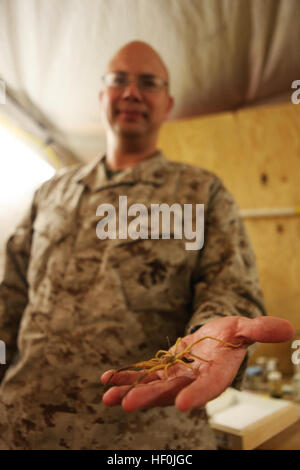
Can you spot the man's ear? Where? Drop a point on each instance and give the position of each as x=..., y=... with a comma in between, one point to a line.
x=169, y=106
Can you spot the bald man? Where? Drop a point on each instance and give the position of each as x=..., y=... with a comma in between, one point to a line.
x=77, y=303
x=133, y=118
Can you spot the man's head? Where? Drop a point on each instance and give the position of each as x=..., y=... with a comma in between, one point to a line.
x=132, y=109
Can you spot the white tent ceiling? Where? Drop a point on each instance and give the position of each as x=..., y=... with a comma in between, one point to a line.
x=222, y=54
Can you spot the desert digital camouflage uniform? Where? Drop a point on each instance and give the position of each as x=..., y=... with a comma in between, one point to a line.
x=73, y=306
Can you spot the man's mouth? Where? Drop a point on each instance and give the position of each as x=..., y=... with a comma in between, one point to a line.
x=131, y=114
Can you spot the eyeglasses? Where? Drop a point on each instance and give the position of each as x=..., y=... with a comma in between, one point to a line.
x=145, y=82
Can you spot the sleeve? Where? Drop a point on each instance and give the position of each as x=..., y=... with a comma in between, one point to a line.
x=225, y=280
x=14, y=286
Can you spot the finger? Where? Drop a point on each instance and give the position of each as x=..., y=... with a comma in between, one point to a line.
x=115, y=377
x=126, y=377
x=160, y=393
x=107, y=375
x=266, y=329
x=114, y=395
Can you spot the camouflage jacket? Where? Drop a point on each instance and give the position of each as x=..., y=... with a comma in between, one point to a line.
x=73, y=306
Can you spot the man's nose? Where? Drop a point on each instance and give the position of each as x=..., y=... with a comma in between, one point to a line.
x=132, y=91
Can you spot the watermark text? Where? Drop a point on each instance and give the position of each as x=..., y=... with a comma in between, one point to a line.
x=295, y=98
x=296, y=354
x=2, y=352
x=145, y=225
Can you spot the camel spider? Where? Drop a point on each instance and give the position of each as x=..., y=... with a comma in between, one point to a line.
x=165, y=359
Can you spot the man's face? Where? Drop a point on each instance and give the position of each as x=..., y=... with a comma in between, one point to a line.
x=130, y=111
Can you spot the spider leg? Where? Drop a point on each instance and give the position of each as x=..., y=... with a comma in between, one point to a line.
x=176, y=344
x=144, y=365
x=158, y=367
x=152, y=369
x=135, y=383
x=198, y=357
x=106, y=385
x=186, y=365
x=166, y=371
x=175, y=348
x=210, y=337
x=173, y=363
x=161, y=351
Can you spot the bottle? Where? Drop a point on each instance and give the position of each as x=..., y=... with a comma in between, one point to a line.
x=253, y=378
x=271, y=365
x=262, y=363
x=275, y=383
x=296, y=383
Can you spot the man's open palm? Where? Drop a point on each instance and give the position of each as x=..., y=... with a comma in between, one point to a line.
x=188, y=388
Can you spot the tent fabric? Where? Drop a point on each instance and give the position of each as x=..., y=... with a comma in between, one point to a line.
x=22, y=125
x=222, y=55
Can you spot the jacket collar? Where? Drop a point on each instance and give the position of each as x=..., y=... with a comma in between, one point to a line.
x=152, y=170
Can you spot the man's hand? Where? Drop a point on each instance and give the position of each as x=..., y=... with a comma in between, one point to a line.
x=188, y=388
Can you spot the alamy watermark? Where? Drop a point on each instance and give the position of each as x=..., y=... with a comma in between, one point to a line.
x=139, y=227
x=2, y=92
x=296, y=354
x=2, y=352
x=295, y=98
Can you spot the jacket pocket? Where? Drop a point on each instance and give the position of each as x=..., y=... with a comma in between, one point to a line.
x=155, y=274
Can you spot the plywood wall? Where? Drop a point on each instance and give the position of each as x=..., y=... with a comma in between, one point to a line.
x=256, y=152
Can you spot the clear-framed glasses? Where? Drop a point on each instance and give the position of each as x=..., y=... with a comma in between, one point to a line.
x=145, y=82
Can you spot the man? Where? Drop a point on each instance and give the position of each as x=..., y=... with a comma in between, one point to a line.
x=72, y=305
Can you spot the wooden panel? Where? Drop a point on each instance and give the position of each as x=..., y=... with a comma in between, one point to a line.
x=289, y=439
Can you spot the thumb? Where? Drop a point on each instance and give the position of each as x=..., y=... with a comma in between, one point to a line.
x=266, y=330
